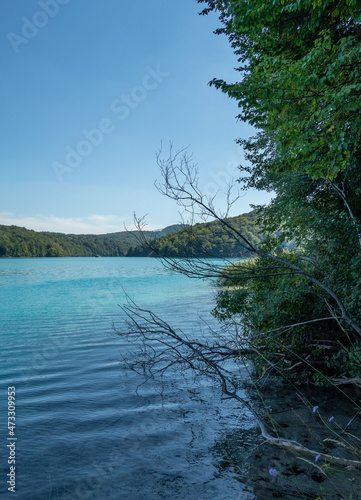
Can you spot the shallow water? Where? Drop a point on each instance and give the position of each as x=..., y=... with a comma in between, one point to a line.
x=82, y=430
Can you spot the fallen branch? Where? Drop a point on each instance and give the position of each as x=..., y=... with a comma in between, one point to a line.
x=299, y=448
x=164, y=347
x=344, y=381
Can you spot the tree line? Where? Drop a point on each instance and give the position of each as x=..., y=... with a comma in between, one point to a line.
x=174, y=241
x=208, y=239
x=21, y=242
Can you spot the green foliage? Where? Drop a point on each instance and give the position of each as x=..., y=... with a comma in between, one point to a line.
x=230, y=303
x=273, y=297
x=20, y=242
x=211, y=239
x=348, y=359
x=202, y=239
x=300, y=67
x=301, y=85
x=279, y=311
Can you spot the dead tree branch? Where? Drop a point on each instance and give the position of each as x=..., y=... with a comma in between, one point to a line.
x=180, y=183
x=163, y=347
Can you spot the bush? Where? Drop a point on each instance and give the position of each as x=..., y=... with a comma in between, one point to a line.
x=281, y=313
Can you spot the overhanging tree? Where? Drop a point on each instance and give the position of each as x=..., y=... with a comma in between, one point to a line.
x=300, y=88
x=300, y=64
x=300, y=67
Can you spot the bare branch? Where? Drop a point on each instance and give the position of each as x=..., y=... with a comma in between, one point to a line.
x=164, y=347
x=180, y=183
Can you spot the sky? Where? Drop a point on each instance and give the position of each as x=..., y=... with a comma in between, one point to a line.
x=90, y=91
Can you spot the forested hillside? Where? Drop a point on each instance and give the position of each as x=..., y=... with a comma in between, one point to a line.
x=211, y=239
x=177, y=240
x=20, y=242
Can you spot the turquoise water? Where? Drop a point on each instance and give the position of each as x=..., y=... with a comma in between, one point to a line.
x=83, y=432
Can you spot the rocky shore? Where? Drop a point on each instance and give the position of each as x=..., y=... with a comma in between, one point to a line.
x=321, y=419
x=303, y=415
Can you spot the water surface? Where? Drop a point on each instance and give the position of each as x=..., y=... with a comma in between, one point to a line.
x=82, y=430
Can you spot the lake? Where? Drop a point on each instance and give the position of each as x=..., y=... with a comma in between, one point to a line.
x=82, y=430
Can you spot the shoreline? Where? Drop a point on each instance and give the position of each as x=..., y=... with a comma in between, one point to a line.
x=299, y=476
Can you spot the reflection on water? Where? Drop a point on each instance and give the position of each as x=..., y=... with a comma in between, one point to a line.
x=83, y=431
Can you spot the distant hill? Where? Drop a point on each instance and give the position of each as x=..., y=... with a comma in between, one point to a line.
x=174, y=241
x=205, y=239
x=20, y=242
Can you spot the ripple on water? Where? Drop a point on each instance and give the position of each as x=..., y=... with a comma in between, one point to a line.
x=83, y=432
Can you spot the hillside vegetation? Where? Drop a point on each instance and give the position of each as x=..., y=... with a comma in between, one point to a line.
x=20, y=242
x=179, y=241
x=210, y=239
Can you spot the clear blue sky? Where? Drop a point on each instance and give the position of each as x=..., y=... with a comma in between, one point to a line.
x=89, y=90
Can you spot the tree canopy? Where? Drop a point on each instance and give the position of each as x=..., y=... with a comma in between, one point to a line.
x=21, y=242
x=208, y=239
x=300, y=87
